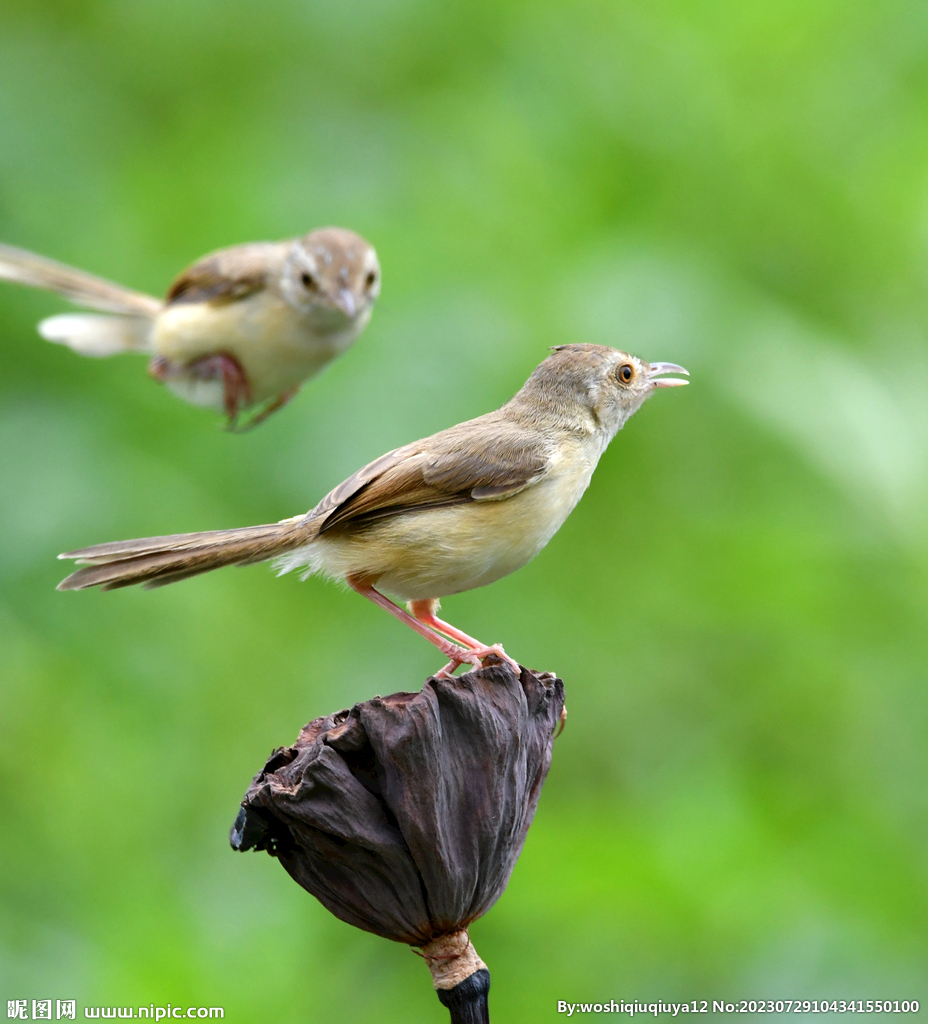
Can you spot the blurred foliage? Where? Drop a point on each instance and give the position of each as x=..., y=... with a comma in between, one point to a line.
x=739, y=606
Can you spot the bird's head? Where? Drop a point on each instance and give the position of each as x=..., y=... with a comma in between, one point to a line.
x=332, y=275
x=595, y=387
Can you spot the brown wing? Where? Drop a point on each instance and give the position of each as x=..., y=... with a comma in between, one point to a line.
x=227, y=275
x=484, y=459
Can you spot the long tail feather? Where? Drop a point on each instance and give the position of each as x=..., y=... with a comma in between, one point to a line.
x=85, y=289
x=157, y=561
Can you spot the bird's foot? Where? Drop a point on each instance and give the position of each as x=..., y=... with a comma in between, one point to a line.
x=160, y=368
x=278, y=403
x=476, y=657
x=423, y=612
x=236, y=388
x=459, y=656
x=496, y=651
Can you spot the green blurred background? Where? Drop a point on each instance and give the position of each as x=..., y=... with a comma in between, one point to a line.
x=738, y=607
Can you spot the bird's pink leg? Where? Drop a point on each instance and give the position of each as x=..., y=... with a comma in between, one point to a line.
x=458, y=655
x=235, y=385
x=160, y=368
x=424, y=612
x=278, y=403
x=236, y=388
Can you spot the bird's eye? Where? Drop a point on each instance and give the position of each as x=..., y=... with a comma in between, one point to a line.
x=370, y=280
x=309, y=282
x=625, y=372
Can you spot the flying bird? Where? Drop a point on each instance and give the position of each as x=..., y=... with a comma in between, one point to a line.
x=449, y=513
x=240, y=329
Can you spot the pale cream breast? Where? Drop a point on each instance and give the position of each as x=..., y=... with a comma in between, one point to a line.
x=277, y=347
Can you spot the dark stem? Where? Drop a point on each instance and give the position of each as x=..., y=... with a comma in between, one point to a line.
x=467, y=1002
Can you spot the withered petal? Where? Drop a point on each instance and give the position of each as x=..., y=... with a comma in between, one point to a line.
x=405, y=815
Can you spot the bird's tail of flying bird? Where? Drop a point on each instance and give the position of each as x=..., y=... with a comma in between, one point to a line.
x=88, y=333
x=156, y=561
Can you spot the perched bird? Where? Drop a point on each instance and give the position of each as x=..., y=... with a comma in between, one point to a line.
x=451, y=512
x=242, y=328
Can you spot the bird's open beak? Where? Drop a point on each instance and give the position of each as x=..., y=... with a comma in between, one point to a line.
x=667, y=382
x=344, y=301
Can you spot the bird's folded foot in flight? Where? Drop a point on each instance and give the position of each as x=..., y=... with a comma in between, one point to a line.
x=236, y=388
x=160, y=368
x=273, y=406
